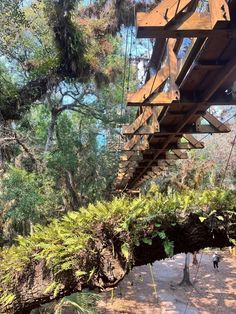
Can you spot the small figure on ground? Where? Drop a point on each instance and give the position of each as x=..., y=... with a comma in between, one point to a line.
x=215, y=260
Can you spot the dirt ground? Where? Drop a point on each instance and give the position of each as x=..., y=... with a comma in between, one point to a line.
x=155, y=289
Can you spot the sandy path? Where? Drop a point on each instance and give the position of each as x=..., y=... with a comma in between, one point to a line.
x=155, y=289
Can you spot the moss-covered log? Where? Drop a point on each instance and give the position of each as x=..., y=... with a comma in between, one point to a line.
x=97, y=246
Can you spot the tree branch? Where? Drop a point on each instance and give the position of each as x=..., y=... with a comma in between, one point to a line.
x=103, y=261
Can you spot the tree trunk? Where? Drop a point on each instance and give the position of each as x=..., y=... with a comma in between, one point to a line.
x=103, y=253
x=51, y=128
x=186, y=277
x=71, y=188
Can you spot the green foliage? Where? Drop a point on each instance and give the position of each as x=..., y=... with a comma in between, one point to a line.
x=83, y=303
x=168, y=247
x=27, y=196
x=63, y=242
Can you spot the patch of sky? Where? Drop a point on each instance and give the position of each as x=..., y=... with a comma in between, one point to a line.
x=26, y=3
x=73, y=92
x=184, y=47
x=12, y=67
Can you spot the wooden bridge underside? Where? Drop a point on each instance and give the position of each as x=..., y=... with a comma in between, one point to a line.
x=173, y=103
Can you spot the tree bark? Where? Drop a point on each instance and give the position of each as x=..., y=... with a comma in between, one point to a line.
x=104, y=254
x=186, y=274
x=72, y=191
x=51, y=128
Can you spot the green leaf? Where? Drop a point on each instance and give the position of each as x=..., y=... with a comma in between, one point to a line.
x=220, y=218
x=212, y=212
x=125, y=250
x=162, y=235
x=136, y=242
x=147, y=241
x=56, y=290
x=233, y=241
x=91, y=273
x=201, y=218
x=50, y=288
x=80, y=273
x=169, y=247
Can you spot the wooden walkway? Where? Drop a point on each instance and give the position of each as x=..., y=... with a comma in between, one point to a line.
x=173, y=103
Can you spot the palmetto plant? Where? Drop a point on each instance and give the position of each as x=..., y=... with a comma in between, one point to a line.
x=81, y=303
x=76, y=303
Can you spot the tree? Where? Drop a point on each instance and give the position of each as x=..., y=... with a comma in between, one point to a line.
x=97, y=246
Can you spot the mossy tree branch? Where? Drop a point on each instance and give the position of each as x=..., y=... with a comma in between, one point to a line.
x=96, y=247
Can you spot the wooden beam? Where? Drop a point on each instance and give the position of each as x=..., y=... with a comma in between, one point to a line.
x=219, y=12
x=176, y=156
x=210, y=66
x=126, y=156
x=157, y=57
x=150, y=87
x=193, y=141
x=197, y=25
x=228, y=70
x=221, y=127
x=163, y=12
x=137, y=142
x=141, y=125
x=130, y=155
x=180, y=154
x=175, y=146
x=125, y=164
x=193, y=129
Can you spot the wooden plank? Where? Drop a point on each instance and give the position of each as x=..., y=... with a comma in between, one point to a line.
x=221, y=127
x=176, y=155
x=126, y=156
x=163, y=12
x=142, y=141
x=201, y=129
x=173, y=64
x=139, y=122
x=219, y=11
x=200, y=32
x=160, y=99
x=193, y=141
x=220, y=78
x=130, y=155
x=157, y=57
x=192, y=26
x=179, y=153
x=124, y=164
x=196, y=22
x=187, y=146
x=150, y=87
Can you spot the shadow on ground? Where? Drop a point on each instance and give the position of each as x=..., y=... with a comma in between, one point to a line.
x=154, y=289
